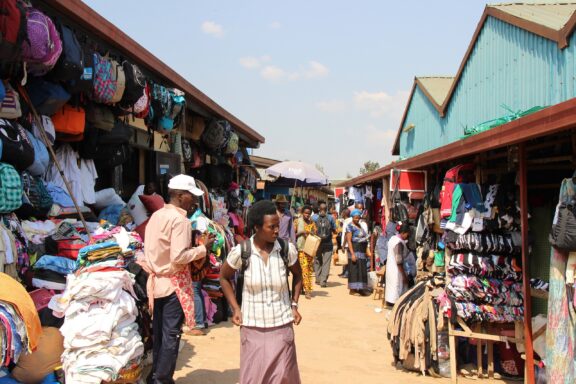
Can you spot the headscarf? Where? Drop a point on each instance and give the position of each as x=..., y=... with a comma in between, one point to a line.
x=356, y=212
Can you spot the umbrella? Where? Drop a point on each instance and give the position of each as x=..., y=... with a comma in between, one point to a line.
x=298, y=171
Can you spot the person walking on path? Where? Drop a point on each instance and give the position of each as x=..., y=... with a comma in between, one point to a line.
x=306, y=226
x=325, y=229
x=357, y=238
x=396, y=277
x=268, y=310
x=286, y=221
x=168, y=253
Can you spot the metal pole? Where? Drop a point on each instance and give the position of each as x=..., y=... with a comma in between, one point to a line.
x=525, y=266
x=53, y=155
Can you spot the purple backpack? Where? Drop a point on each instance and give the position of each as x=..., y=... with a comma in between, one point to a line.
x=104, y=84
x=43, y=47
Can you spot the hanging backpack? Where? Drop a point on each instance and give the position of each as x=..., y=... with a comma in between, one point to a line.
x=35, y=189
x=10, y=189
x=85, y=82
x=13, y=29
x=135, y=84
x=46, y=97
x=110, y=156
x=41, y=157
x=104, y=85
x=120, y=134
x=141, y=108
x=16, y=149
x=119, y=79
x=69, y=123
x=453, y=176
x=100, y=116
x=232, y=146
x=10, y=105
x=48, y=128
x=217, y=135
x=43, y=47
x=70, y=65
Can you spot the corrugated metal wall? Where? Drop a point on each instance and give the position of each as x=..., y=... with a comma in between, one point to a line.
x=508, y=66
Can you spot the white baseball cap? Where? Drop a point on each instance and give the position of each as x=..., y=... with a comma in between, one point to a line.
x=185, y=183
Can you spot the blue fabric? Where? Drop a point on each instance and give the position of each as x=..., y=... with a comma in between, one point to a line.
x=94, y=247
x=199, y=308
x=41, y=157
x=59, y=195
x=16, y=337
x=57, y=264
x=472, y=195
x=356, y=212
x=358, y=234
x=111, y=213
x=410, y=264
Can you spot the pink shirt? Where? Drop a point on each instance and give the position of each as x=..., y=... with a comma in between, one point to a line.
x=167, y=248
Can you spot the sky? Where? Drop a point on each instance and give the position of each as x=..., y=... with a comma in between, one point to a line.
x=324, y=81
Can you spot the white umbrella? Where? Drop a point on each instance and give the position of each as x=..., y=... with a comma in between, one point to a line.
x=297, y=170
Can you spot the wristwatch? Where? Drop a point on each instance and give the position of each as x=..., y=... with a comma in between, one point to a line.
x=295, y=304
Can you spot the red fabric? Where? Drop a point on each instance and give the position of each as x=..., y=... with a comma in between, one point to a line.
x=141, y=229
x=152, y=203
x=182, y=281
x=453, y=176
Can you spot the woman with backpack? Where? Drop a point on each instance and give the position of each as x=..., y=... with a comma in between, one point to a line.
x=263, y=305
x=306, y=226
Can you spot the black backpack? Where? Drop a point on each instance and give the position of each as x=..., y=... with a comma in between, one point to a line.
x=324, y=227
x=134, y=86
x=16, y=149
x=112, y=155
x=121, y=134
x=70, y=65
x=246, y=252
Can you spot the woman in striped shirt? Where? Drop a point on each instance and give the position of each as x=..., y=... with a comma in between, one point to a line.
x=268, y=309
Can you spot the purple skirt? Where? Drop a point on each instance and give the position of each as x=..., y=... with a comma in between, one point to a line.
x=268, y=356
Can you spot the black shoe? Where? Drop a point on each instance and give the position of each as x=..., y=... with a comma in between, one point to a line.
x=323, y=285
x=341, y=275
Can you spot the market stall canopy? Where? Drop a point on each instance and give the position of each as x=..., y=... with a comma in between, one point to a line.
x=297, y=170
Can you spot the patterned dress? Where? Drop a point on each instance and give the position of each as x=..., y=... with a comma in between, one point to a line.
x=306, y=261
x=358, y=271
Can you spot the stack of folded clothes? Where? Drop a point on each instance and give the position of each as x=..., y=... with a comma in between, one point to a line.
x=50, y=272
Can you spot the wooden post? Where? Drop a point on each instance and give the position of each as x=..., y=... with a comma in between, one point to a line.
x=525, y=266
x=453, y=353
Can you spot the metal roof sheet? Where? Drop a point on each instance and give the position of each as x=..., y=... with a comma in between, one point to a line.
x=437, y=87
x=550, y=15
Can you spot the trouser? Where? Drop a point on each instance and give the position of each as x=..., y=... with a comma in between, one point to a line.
x=322, y=265
x=199, y=307
x=307, y=265
x=167, y=329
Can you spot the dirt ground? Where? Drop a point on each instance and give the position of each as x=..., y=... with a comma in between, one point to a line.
x=341, y=340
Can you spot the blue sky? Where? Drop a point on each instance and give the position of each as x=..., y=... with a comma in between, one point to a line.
x=326, y=82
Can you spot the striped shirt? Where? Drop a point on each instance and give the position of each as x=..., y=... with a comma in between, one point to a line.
x=266, y=302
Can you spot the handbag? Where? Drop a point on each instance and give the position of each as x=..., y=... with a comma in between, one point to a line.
x=342, y=257
x=563, y=232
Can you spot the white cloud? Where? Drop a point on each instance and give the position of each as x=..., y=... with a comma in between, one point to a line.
x=271, y=72
x=331, y=106
x=213, y=29
x=380, y=104
x=250, y=62
x=315, y=70
x=275, y=25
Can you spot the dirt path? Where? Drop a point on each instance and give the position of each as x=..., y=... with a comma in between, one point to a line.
x=341, y=340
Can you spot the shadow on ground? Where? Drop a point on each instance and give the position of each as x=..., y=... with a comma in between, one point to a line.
x=206, y=376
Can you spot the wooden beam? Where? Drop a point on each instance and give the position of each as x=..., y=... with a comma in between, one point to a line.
x=525, y=264
x=547, y=160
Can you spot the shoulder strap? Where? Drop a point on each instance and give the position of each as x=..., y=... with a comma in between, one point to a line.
x=284, y=248
x=246, y=251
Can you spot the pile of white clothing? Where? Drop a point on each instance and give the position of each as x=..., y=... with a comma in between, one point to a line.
x=100, y=331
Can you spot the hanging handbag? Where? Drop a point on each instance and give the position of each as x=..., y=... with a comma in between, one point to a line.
x=563, y=233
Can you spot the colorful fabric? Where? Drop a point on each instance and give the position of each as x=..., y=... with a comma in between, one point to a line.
x=561, y=328
x=307, y=265
x=182, y=282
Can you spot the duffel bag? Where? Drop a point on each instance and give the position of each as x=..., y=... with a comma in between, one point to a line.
x=69, y=120
x=16, y=149
x=10, y=189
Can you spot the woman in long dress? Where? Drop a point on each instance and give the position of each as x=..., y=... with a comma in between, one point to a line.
x=396, y=277
x=357, y=238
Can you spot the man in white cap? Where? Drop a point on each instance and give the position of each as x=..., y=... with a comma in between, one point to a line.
x=168, y=250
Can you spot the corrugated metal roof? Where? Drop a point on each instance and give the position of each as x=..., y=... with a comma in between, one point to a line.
x=550, y=15
x=437, y=87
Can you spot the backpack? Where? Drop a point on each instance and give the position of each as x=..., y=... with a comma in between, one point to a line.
x=120, y=134
x=46, y=97
x=13, y=29
x=10, y=189
x=43, y=47
x=110, y=156
x=85, y=82
x=35, y=189
x=141, y=108
x=453, y=176
x=324, y=227
x=246, y=252
x=10, y=104
x=70, y=65
x=41, y=157
x=186, y=151
x=100, y=116
x=232, y=146
x=16, y=149
x=134, y=86
x=217, y=134
x=119, y=79
x=104, y=84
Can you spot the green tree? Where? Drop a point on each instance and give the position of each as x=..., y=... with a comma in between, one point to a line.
x=369, y=166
